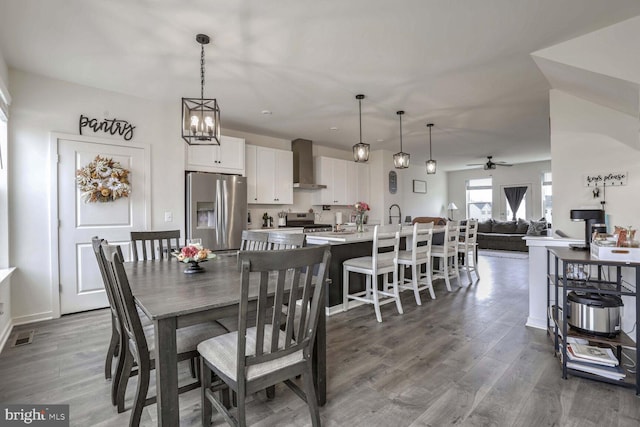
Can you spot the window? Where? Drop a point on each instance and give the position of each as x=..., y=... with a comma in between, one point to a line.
x=480, y=198
x=522, y=209
x=546, y=196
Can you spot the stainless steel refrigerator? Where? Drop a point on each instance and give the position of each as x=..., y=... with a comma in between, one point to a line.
x=216, y=209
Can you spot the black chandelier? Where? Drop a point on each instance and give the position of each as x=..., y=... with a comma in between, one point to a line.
x=431, y=164
x=401, y=159
x=360, y=150
x=200, y=116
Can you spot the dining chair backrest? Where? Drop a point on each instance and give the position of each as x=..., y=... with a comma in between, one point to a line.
x=149, y=241
x=288, y=275
x=254, y=240
x=129, y=317
x=470, y=232
x=96, y=243
x=451, y=236
x=279, y=240
x=421, y=240
x=384, y=236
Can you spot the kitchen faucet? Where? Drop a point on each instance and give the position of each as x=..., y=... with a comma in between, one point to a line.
x=399, y=214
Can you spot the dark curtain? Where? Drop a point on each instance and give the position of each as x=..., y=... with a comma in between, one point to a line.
x=514, y=197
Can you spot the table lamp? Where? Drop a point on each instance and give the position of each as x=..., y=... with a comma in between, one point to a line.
x=452, y=207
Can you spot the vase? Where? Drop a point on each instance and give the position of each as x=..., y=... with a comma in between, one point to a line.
x=360, y=223
x=194, y=267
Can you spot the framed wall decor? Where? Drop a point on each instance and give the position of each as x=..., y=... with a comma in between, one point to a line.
x=419, y=186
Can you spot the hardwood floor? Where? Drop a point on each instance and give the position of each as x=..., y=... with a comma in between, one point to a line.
x=465, y=358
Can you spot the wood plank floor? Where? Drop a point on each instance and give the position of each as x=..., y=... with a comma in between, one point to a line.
x=465, y=358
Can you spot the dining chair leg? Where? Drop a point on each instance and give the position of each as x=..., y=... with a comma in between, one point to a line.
x=376, y=301
x=396, y=291
x=111, y=351
x=310, y=392
x=468, y=267
x=117, y=375
x=192, y=368
x=414, y=280
x=428, y=279
x=241, y=396
x=205, y=380
x=345, y=289
x=144, y=372
x=124, y=379
x=456, y=269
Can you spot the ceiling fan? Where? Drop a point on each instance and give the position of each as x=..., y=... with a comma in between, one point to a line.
x=490, y=164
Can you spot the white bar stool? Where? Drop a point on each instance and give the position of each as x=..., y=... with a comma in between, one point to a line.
x=373, y=266
x=468, y=247
x=418, y=254
x=448, y=255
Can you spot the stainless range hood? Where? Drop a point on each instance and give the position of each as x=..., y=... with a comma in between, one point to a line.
x=303, y=165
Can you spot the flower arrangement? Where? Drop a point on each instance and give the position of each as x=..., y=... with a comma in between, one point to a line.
x=103, y=180
x=361, y=207
x=193, y=253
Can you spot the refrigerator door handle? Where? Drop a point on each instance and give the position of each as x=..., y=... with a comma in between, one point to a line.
x=219, y=209
x=225, y=214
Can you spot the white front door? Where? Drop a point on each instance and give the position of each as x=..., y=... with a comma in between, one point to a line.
x=81, y=284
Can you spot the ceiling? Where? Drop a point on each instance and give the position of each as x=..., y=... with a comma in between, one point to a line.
x=464, y=65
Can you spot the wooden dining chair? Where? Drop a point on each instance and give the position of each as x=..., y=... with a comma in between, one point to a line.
x=417, y=255
x=279, y=240
x=254, y=240
x=114, y=343
x=254, y=358
x=151, y=241
x=138, y=344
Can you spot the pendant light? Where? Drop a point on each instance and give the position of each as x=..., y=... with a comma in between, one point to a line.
x=401, y=159
x=431, y=164
x=360, y=150
x=201, y=116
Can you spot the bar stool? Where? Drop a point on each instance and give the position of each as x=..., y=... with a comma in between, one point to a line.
x=468, y=248
x=373, y=266
x=419, y=254
x=447, y=254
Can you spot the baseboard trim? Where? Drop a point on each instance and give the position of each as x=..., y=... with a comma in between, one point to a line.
x=31, y=318
x=4, y=335
x=536, y=323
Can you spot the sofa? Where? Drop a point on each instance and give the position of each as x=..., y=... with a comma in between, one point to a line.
x=504, y=235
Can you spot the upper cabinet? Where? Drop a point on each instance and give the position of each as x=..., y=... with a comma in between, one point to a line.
x=347, y=182
x=228, y=157
x=269, y=176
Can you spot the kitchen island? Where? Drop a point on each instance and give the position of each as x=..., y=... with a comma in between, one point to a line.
x=349, y=244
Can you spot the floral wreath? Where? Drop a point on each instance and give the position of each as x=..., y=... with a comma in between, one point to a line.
x=103, y=180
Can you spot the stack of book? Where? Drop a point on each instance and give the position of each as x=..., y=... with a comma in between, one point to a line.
x=594, y=360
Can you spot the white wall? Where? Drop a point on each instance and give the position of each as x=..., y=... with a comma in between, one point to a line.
x=520, y=174
x=585, y=139
x=40, y=106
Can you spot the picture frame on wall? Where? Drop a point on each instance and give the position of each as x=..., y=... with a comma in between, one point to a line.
x=419, y=186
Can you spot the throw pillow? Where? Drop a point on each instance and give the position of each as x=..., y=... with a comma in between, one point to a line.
x=537, y=228
x=504, y=227
x=485, y=226
x=522, y=226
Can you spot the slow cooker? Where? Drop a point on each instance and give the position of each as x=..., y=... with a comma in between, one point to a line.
x=594, y=313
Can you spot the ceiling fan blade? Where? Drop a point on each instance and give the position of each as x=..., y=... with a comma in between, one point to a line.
x=475, y=164
x=503, y=164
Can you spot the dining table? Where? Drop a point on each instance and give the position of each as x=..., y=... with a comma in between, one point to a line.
x=173, y=299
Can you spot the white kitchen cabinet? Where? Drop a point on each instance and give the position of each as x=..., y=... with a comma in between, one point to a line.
x=347, y=182
x=269, y=176
x=228, y=157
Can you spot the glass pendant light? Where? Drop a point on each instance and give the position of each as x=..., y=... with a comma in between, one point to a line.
x=201, y=116
x=360, y=150
x=401, y=159
x=431, y=164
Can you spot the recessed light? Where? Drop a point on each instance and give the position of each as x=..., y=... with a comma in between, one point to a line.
x=333, y=128
x=266, y=112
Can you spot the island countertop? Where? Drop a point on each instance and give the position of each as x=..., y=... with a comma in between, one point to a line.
x=346, y=237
